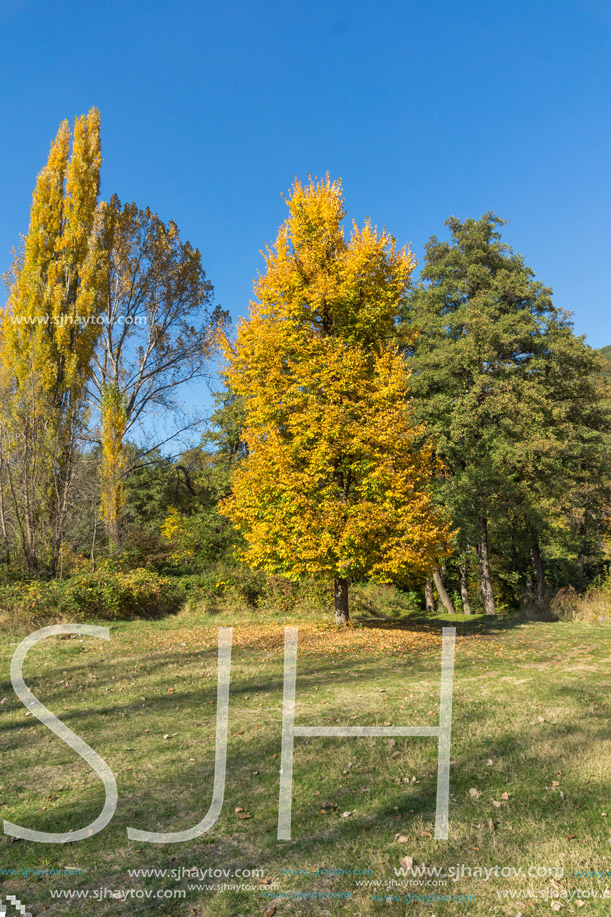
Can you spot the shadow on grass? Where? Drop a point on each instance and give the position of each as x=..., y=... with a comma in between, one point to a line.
x=416, y=621
x=175, y=791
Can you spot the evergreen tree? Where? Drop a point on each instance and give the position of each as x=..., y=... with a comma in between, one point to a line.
x=510, y=394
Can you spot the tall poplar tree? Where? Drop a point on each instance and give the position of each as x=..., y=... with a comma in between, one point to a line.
x=49, y=332
x=332, y=485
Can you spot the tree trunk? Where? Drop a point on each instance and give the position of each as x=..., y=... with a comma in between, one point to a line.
x=581, y=562
x=95, y=532
x=485, y=579
x=446, y=601
x=59, y=508
x=24, y=529
x=464, y=586
x=429, y=597
x=535, y=556
x=342, y=615
x=3, y=528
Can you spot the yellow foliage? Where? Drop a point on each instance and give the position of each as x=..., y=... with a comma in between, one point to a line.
x=56, y=292
x=113, y=464
x=174, y=529
x=333, y=483
x=48, y=333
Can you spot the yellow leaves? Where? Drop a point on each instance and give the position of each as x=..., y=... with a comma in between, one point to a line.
x=50, y=329
x=314, y=276
x=316, y=212
x=58, y=280
x=173, y=524
x=113, y=464
x=333, y=482
x=173, y=529
x=386, y=638
x=338, y=483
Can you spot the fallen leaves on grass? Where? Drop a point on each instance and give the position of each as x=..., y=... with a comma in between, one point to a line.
x=313, y=638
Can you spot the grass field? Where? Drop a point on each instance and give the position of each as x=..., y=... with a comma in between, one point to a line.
x=531, y=765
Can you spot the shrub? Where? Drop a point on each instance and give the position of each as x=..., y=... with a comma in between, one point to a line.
x=384, y=600
x=107, y=594
x=594, y=605
x=233, y=587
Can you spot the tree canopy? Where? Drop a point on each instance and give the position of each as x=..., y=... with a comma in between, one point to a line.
x=333, y=484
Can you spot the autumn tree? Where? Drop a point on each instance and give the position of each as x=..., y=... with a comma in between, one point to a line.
x=331, y=485
x=113, y=460
x=48, y=336
x=159, y=331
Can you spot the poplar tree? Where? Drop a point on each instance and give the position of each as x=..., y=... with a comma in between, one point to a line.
x=332, y=485
x=49, y=332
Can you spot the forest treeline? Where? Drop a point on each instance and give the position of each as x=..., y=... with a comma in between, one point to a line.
x=449, y=434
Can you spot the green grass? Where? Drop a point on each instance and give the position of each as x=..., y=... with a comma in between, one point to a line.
x=530, y=720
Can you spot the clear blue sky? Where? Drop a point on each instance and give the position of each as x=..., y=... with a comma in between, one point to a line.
x=423, y=109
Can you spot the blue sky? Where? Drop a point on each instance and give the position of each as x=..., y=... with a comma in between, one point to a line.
x=423, y=109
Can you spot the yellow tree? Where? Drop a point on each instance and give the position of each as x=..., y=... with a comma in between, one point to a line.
x=49, y=332
x=333, y=484
x=113, y=462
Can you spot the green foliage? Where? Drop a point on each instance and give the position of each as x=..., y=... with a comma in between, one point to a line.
x=148, y=492
x=605, y=353
x=107, y=594
x=233, y=585
x=225, y=427
x=384, y=600
x=514, y=401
